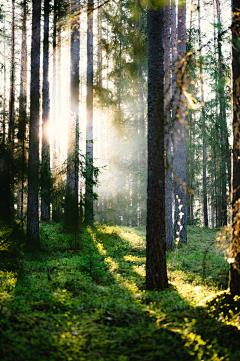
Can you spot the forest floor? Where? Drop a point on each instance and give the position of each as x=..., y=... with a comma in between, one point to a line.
x=85, y=299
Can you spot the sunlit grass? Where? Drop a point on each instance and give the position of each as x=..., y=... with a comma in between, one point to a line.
x=86, y=299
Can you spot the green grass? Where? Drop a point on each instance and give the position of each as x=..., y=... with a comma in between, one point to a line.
x=86, y=300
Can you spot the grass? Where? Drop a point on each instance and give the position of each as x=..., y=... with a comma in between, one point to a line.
x=86, y=299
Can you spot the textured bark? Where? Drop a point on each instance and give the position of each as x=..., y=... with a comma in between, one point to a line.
x=168, y=137
x=54, y=85
x=4, y=86
x=225, y=153
x=23, y=106
x=45, y=174
x=234, y=273
x=33, y=157
x=12, y=80
x=156, y=270
x=204, y=165
x=89, y=125
x=179, y=139
x=73, y=135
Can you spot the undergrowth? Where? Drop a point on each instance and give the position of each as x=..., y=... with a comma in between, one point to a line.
x=84, y=298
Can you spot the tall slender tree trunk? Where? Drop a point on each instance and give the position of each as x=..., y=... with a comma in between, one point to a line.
x=23, y=106
x=4, y=79
x=54, y=87
x=89, y=125
x=156, y=270
x=204, y=165
x=12, y=81
x=73, y=135
x=33, y=157
x=234, y=273
x=45, y=174
x=168, y=137
x=225, y=153
x=179, y=139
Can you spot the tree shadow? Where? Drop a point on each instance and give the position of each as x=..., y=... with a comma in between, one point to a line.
x=79, y=304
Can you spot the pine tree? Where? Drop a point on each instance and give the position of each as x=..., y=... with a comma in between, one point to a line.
x=156, y=271
x=33, y=157
x=234, y=274
x=89, y=124
x=45, y=166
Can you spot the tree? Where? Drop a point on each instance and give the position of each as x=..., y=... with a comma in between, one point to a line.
x=45, y=166
x=33, y=157
x=234, y=273
x=168, y=133
x=12, y=81
x=204, y=165
x=179, y=140
x=23, y=105
x=73, y=136
x=156, y=270
x=89, y=125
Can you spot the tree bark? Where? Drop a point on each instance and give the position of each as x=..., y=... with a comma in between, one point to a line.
x=156, y=269
x=204, y=164
x=168, y=128
x=73, y=136
x=12, y=81
x=45, y=174
x=33, y=157
x=179, y=139
x=23, y=105
x=234, y=273
x=89, y=125
x=225, y=153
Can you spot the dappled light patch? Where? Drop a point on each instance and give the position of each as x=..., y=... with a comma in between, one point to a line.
x=90, y=302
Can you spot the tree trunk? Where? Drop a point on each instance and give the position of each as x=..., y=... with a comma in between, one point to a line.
x=33, y=157
x=89, y=125
x=225, y=153
x=12, y=81
x=54, y=86
x=168, y=137
x=204, y=165
x=23, y=106
x=156, y=270
x=234, y=273
x=73, y=136
x=179, y=139
x=4, y=86
x=45, y=174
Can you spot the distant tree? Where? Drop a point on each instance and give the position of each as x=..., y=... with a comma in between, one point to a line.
x=156, y=271
x=179, y=138
x=45, y=165
x=203, y=116
x=89, y=124
x=23, y=106
x=235, y=194
x=12, y=81
x=33, y=156
x=73, y=136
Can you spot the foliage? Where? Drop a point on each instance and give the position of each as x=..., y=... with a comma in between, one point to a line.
x=86, y=300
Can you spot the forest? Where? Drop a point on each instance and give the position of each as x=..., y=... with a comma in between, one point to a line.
x=119, y=180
